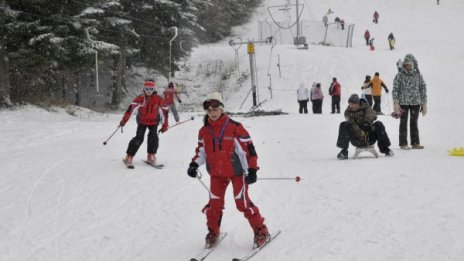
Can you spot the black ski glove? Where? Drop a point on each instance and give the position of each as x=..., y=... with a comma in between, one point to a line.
x=192, y=170
x=251, y=177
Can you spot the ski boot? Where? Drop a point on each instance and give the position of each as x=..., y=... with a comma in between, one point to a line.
x=342, y=155
x=128, y=161
x=261, y=236
x=211, y=240
x=151, y=159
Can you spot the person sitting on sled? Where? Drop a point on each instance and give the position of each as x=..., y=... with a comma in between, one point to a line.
x=152, y=111
x=361, y=128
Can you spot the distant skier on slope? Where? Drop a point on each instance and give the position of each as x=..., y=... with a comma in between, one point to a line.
x=361, y=129
x=152, y=111
x=375, y=17
x=367, y=36
x=230, y=156
x=391, y=41
x=169, y=93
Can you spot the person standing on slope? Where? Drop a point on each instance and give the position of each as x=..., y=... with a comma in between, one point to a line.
x=376, y=17
x=335, y=91
x=409, y=99
x=316, y=98
x=152, y=111
x=367, y=90
x=226, y=148
x=303, y=98
x=391, y=41
x=367, y=36
x=377, y=84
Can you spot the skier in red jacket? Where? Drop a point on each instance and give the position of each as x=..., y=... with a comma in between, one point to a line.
x=152, y=111
x=226, y=148
x=169, y=94
x=335, y=92
x=367, y=36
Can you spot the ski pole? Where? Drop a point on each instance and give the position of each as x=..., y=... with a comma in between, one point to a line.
x=297, y=178
x=179, y=123
x=388, y=103
x=106, y=141
x=199, y=175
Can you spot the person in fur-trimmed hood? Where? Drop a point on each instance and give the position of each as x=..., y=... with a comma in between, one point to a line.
x=361, y=128
x=409, y=98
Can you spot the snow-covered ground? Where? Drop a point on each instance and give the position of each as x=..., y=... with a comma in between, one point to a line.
x=65, y=196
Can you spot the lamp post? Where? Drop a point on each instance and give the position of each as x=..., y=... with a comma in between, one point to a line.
x=170, y=45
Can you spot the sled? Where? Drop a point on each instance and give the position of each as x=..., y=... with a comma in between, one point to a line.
x=370, y=149
x=456, y=151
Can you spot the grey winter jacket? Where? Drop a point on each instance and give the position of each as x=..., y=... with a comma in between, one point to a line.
x=409, y=88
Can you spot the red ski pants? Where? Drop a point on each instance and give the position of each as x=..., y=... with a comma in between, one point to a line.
x=213, y=209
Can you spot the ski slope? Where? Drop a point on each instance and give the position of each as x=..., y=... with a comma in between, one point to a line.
x=65, y=196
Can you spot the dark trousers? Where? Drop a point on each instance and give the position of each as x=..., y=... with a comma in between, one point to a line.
x=368, y=99
x=335, y=104
x=152, y=144
x=377, y=103
x=414, y=110
x=317, y=106
x=349, y=133
x=303, y=106
x=367, y=41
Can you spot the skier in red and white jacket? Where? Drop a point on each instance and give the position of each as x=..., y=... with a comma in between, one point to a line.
x=152, y=111
x=169, y=94
x=226, y=148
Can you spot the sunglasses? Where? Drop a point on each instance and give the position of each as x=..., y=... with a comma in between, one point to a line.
x=211, y=104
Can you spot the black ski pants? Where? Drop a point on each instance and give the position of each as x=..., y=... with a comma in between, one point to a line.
x=377, y=103
x=303, y=106
x=414, y=110
x=335, y=104
x=317, y=106
x=152, y=144
x=348, y=133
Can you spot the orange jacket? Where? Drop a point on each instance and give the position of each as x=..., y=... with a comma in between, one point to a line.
x=377, y=85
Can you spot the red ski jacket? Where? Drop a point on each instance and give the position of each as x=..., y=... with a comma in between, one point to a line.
x=169, y=94
x=336, y=89
x=226, y=148
x=153, y=110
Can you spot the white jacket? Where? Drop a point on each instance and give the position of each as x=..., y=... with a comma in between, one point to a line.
x=302, y=93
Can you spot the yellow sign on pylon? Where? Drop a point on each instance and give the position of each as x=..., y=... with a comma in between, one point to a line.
x=251, y=48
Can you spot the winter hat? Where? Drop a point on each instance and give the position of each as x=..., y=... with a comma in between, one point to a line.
x=171, y=84
x=354, y=98
x=213, y=100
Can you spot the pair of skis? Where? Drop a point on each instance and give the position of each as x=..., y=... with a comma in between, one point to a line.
x=131, y=166
x=205, y=253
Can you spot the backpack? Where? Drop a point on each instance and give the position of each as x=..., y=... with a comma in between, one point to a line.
x=331, y=89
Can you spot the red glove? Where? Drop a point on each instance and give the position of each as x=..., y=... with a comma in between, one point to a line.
x=164, y=129
x=122, y=123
